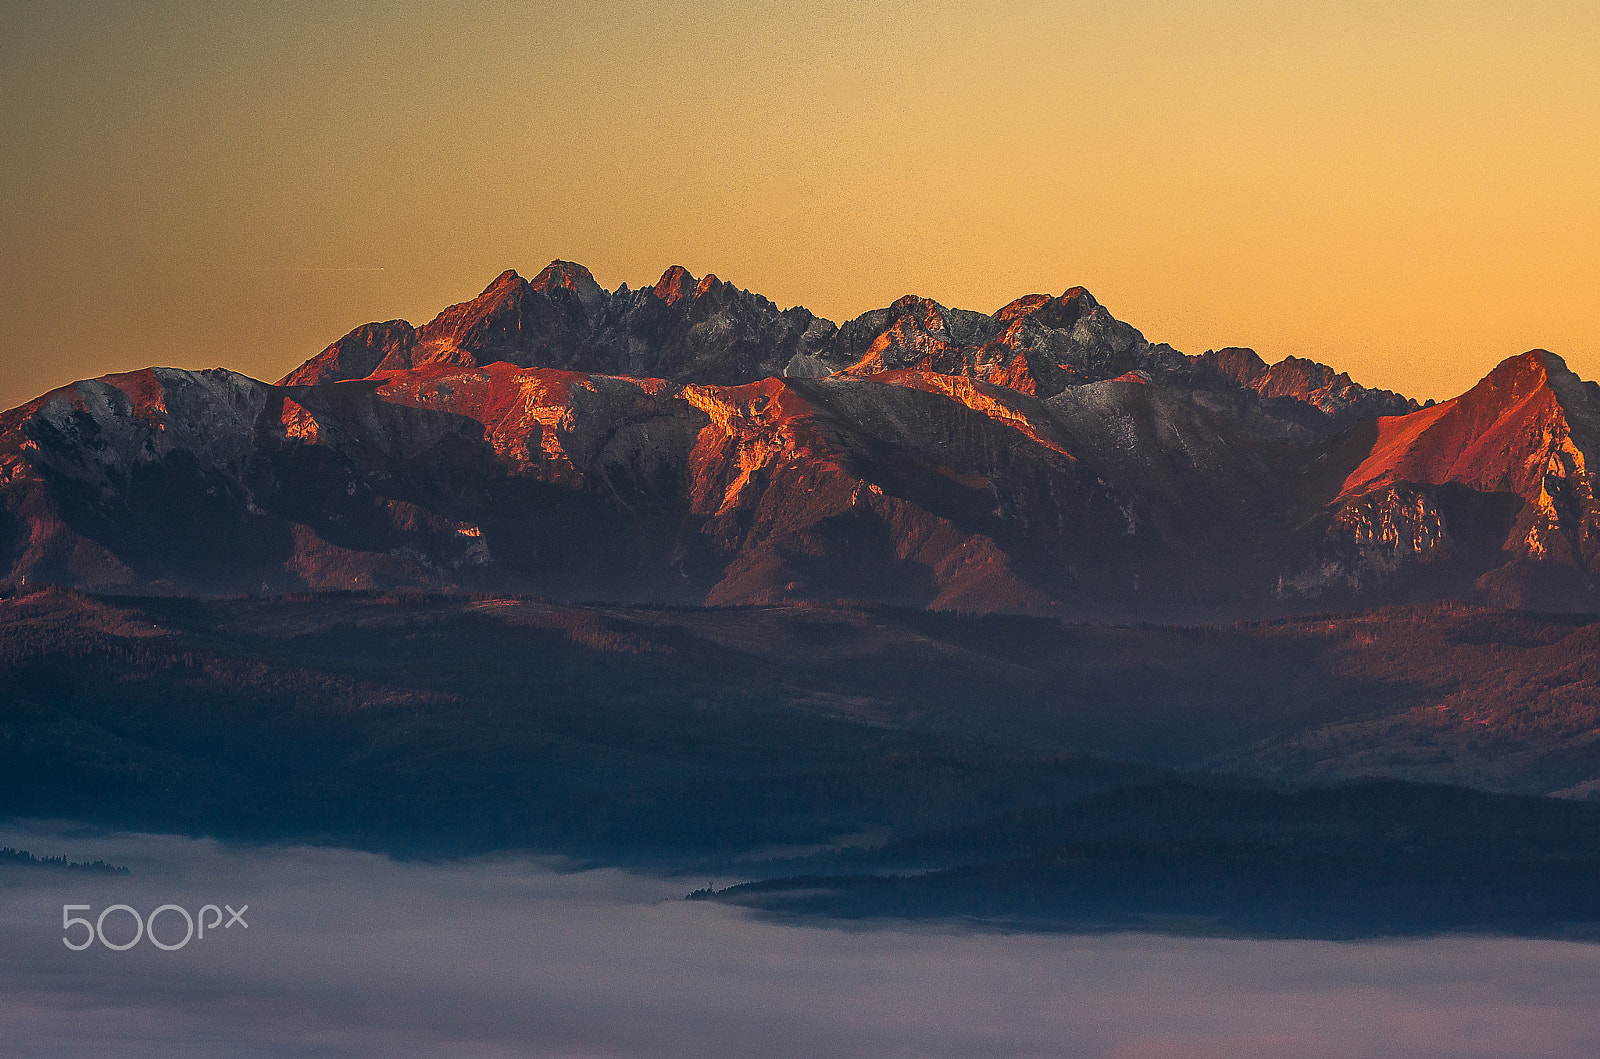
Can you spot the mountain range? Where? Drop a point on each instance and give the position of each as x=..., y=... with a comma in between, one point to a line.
x=690, y=443
x=1004, y=616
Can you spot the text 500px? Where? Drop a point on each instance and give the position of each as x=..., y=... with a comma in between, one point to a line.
x=125, y=919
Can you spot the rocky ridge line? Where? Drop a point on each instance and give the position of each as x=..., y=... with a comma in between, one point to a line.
x=708, y=332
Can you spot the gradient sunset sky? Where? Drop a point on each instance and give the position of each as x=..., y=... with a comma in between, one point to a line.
x=1409, y=189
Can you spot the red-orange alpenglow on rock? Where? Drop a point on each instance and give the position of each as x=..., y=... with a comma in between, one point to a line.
x=690, y=442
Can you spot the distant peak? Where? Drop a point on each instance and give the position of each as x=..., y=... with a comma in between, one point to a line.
x=506, y=281
x=925, y=313
x=1240, y=353
x=1532, y=368
x=355, y=356
x=565, y=274
x=915, y=303
x=1538, y=369
x=499, y=306
x=1057, y=313
x=506, y=288
x=1022, y=307
x=1080, y=298
x=675, y=284
x=568, y=276
x=1239, y=363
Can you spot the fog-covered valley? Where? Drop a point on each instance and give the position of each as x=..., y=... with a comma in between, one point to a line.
x=354, y=954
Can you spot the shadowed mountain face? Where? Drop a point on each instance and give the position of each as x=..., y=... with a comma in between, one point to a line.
x=690, y=443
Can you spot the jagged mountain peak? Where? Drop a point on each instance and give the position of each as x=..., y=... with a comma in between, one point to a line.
x=569, y=276
x=1501, y=472
x=675, y=284
x=708, y=284
x=1540, y=379
x=356, y=355
x=1021, y=307
x=1480, y=437
x=1132, y=489
x=1516, y=376
x=506, y=285
x=920, y=312
x=1339, y=399
x=1579, y=398
x=489, y=325
x=1046, y=310
x=503, y=295
x=705, y=330
x=914, y=303
x=1237, y=362
x=1063, y=313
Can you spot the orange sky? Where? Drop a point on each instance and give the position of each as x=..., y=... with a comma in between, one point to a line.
x=1409, y=190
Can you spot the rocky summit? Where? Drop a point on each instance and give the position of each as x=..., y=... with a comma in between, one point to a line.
x=690, y=442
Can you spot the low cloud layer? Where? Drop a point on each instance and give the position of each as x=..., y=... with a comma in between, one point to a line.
x=349, y=954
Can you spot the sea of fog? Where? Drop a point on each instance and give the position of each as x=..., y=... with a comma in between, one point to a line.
x=350, y=954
